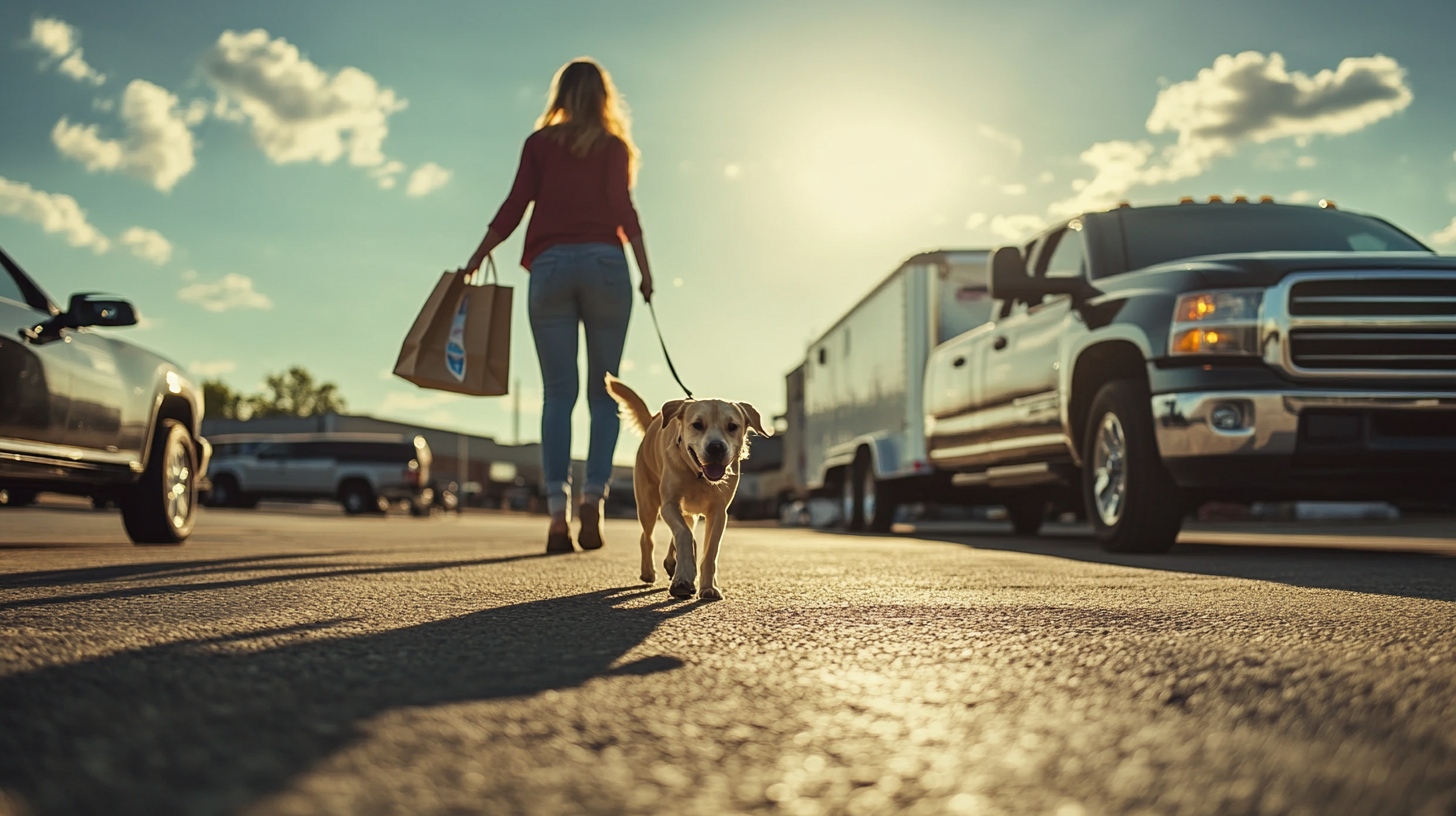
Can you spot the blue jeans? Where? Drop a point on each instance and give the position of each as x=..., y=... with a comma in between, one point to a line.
x=571, y=285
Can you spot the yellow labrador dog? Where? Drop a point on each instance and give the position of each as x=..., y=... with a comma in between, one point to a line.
x=686, y=467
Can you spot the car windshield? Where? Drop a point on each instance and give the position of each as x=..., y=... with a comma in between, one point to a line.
x=1161, y=234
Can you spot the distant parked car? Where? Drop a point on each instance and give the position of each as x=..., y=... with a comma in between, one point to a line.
x=92, y=415
x=365, y=472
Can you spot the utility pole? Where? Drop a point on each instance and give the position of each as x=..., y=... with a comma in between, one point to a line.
x=516, y=411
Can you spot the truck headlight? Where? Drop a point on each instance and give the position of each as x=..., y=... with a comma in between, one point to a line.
x=1217, y=322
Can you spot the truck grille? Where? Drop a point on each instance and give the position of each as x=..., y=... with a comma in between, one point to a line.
x=1390, y=350
x=1381, y=324
x=1369, y=297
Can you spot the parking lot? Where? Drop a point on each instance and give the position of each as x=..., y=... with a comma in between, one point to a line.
x=292, y=660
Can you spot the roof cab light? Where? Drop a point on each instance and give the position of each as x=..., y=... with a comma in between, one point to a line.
x=1223, y=322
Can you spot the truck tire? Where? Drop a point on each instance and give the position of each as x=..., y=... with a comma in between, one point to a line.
x=851, y=505
x=877, y=499
x=1131, y=499
x=224, y=492
x=162, y=506
x=1026, y=514
x=358, y=498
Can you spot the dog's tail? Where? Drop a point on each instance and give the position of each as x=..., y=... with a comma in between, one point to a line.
x=634, y=409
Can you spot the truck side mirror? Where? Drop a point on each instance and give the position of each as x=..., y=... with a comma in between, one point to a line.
x=1008, y=276
x=89, y=310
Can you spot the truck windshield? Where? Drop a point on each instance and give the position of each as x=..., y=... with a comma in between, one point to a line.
x=1161, y=234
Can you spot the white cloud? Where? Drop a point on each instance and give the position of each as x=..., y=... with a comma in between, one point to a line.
x=1300, y=196
x=212, y=368
x=385, y=174
x=158, y=147
x=147, y=244
x=1013, y=189
x=732, y=172
x=234, y=291
x=1246, y=98
x=60, y=40
x=1016, y=227
x=1306, y=161
x=975, y=220
x=1447, y=236
x=1046, y=177
x=298, y=111
x=426, y=178
x=54, y=212
x=1006, y=140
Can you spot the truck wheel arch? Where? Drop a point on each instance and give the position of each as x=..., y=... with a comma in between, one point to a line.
x=1096, y=365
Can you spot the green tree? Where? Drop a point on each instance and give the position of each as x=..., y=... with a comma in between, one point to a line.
x=219, y=401
x=295, y=393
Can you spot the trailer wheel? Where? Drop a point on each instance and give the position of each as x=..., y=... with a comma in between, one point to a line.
x=1027, y=514
x=851, y=507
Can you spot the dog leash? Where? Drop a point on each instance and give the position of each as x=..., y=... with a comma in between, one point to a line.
x=665, y=355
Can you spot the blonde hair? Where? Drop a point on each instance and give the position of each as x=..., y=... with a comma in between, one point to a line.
x=582, y=107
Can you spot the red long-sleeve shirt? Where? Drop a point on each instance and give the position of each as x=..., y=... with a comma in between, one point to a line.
x=578, y=200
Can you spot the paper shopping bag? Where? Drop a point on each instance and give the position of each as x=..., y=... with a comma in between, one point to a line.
x=461, y=341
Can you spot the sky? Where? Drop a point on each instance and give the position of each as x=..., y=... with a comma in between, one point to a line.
x=280, y=183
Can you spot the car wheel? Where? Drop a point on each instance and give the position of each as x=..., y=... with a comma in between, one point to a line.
x=1027, y=514
x=358, y=499
x=162, y=506
x=17, y=498
x=1131, y=499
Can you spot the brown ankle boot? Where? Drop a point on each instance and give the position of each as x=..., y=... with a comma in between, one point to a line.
x=590, y=536
x=559, y=542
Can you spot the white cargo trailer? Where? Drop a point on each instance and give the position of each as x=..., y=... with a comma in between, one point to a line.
x=863, y=424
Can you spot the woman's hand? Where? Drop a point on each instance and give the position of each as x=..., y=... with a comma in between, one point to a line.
x=646, y=287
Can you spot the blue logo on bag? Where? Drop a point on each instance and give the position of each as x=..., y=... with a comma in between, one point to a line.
x=455, y=347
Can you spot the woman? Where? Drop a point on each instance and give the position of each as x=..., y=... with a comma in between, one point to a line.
x=579, y=167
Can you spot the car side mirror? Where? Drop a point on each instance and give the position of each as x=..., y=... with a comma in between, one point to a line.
x=89, y=310
x=1008, y=277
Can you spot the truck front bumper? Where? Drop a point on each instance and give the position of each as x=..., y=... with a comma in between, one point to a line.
x=1309, y=444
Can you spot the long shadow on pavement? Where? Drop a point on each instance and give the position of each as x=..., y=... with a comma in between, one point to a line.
x=286, y=572
x=194, y=728
x=1406, y=575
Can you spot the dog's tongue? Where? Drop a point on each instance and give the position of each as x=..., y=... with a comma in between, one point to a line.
x=714, y=472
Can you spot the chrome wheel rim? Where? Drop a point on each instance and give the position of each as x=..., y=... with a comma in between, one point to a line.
x=869, y=496
x=1109, y=472
x=177, y=485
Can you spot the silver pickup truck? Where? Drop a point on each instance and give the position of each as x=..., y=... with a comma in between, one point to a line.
x=365, y=472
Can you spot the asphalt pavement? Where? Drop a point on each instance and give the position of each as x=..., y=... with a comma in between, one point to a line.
x=293, y=660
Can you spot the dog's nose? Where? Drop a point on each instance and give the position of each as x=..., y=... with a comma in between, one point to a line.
x=717, y=450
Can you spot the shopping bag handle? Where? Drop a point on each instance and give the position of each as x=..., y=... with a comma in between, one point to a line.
x=477, y=279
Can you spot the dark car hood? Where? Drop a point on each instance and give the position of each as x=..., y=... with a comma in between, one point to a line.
x=1265, y=268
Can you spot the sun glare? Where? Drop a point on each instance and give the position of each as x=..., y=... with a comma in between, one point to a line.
x=869, y=172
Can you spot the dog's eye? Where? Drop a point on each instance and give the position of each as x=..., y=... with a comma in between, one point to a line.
x=732, y=427
x=698, y=426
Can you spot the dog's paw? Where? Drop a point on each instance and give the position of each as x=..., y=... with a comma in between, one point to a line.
x=649, y=577
x=682, y=589
x=711, y=593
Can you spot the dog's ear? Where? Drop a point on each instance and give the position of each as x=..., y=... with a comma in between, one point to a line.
x=671, y=409
x=751, y=414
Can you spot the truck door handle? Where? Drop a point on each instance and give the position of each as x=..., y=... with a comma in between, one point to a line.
x=999, y=344
x=958, y=362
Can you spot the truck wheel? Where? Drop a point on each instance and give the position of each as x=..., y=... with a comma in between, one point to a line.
x=161, y=507
x=224, y=492
x=850, y=507
x=878, y=501
x=358, y=498
x=1026, y=514
x=1134, y=505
